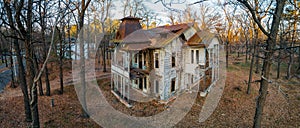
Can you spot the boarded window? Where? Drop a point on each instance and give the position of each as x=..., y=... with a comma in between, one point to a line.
x=156, y=60
x=173, y=85
x=192, y=56
x=173, y=59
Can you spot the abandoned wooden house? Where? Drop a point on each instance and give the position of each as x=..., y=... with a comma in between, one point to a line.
x=165, y=61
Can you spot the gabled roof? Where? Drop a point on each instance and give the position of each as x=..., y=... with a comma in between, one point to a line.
x=201, y=38
x=154, y=38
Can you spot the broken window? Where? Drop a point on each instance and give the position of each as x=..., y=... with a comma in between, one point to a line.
x=192, y=56
x=173, y=84
x=173, y=59
x=156, y=60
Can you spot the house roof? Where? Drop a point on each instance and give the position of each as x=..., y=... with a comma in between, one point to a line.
x=153, y=38
x=201, y=38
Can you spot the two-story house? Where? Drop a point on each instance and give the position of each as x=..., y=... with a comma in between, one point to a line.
x=162, y=62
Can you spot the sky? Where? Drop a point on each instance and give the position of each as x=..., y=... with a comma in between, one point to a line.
x=157, y=8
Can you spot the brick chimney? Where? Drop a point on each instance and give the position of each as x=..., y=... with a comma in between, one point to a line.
x=129, y=24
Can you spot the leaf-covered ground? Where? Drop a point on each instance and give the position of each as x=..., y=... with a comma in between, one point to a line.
x=235, y=109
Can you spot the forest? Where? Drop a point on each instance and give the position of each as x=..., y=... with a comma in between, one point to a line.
x=40, y=40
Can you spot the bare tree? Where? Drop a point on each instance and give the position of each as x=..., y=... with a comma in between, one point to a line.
x=208, y=17
x=81, y=13
x=14, y=31
x=271, y=42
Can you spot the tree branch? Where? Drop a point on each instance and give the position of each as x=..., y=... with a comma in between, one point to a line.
x=252, y=11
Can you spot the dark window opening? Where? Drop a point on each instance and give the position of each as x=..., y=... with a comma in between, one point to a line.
x=156, y=60
x=197, y=56
x=141, y=83
x=140, y=61
x=183, y=37
x=136, y=58
x=144, y=59
x=173, y=60
x=145, y=83
x=173, y=85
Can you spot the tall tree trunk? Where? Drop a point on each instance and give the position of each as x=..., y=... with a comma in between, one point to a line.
x=48, y=89
x=279, y=59
x=227, y=52
x=46, y=72
x=88, y=39
x=41, y=91
x=5, y=58
x=61, y=55
x=294, y=37
x=82, y=73
x=12, y=67
x=2, y=55
x=290, y=63
x=61, y=77
x=43, y=11
x=298, y=59
x=34, y=98
x=257, y=57
x=34, y=107
x=265, y=76
x=251, y=65
x=21, y=75
x=40, y=85
x=23, y=82
x=82, y=57
x=246, y=59
x=31, y=68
